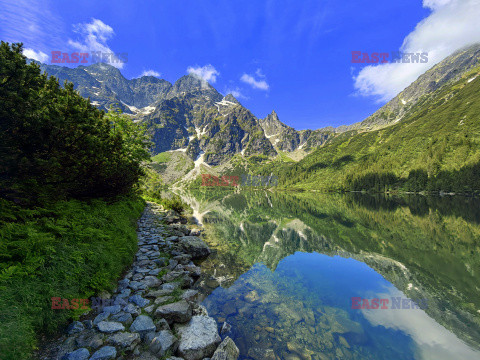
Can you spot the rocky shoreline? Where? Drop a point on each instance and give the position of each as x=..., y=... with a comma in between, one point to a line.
x=153, y=313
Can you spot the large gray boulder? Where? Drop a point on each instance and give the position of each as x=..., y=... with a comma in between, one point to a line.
x=194, y=246
x=198, y=338
x=178, y=312
x=164, y=342
x=227, y=350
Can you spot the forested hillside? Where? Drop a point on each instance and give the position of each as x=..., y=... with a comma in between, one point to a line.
x=68, y=201
x=435, y=148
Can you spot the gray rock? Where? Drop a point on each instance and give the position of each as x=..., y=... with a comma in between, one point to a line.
x=124, y=293
x=114, y=309
x=152, y=281
x=178, y=312
x=138, y=300
x=172, y=263
x=164, y=342
x=161, y=324
x=110, y=326
x=190, y=295
x=198, y=338
x=124, y=340
x=149, y=309
x=80, y=354
x=132, y=309
x=194, y=246
x=75, y=327
x=100, y=317
x=227, y=350
x=88, y=324
x=163, y=299
x=136, y=285
x=154, y=272
x=89, y=339
x=105, y=353
x=123, y=317
x=122, y=284
x=159, y=293
x=143, y=324
x=171, y=286
x=161, y=261
x=200, y=310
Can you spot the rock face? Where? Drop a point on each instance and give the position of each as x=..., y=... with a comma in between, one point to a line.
x=194, y=246
x=198, y=338
x=124, y=328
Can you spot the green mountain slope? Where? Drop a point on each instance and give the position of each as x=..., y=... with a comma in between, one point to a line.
x=439, y=138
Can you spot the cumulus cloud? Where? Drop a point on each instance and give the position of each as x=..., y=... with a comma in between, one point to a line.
x=36, y=55
x=94, y=37
x=150, y=73
x=207, y=72
x=260, y=84
x=452, y=24
x=236, y=92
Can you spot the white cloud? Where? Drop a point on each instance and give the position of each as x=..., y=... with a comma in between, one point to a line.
x=236, y=92
x=207, y=72
x=94, y=37
x=453, y=24
x=435, y=4
x=256, y=84
x=36, y=55
x=150, y=73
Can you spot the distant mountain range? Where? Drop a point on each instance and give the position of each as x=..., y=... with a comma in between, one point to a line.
x=191, y=116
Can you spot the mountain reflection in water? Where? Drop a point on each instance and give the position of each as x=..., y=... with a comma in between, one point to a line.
x=286, y=266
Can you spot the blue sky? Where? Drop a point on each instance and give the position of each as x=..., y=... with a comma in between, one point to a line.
x=293, y=57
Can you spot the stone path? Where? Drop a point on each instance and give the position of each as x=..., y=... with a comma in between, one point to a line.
x=153, y=313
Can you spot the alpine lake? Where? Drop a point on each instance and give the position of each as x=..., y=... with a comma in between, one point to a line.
x=342, y=276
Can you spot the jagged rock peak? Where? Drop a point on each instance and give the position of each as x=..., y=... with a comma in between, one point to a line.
x=232, y=99
x=272, y=125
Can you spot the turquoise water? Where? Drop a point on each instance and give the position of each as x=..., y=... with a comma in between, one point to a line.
x=285, y=269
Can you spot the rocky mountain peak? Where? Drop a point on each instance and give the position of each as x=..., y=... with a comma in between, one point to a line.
x=272, y=125
x=231, y=98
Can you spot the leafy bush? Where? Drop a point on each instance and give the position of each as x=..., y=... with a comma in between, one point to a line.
x=52, y=141
x=73, y=249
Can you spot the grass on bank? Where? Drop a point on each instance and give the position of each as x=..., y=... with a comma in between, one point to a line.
x=72, y=249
